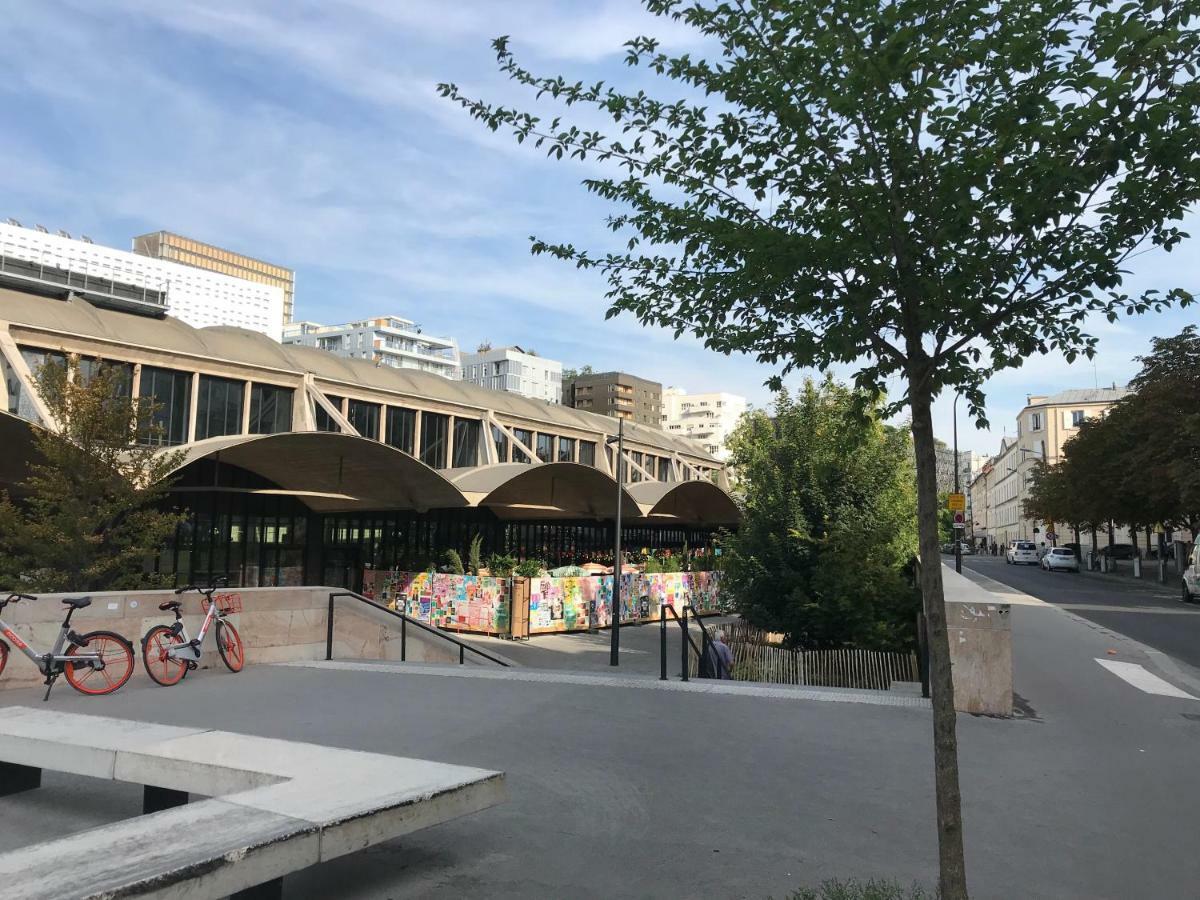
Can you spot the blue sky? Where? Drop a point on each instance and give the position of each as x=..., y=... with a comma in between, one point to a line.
x=310, y=134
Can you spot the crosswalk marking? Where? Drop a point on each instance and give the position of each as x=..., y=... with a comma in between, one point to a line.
x=1144, y=680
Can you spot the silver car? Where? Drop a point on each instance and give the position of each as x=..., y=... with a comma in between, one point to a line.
x=1060, y=559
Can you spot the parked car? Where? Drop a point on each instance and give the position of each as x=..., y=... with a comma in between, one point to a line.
x=1191, y=577
x=1060, y=559
x=947, y=548
x=1021, y=553
x=1120, y=551
x=1074, y=548
x=966, y=547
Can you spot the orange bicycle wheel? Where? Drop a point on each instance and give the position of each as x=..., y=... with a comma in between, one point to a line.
x=229, y=645
x=162, y=669
x=114, y=650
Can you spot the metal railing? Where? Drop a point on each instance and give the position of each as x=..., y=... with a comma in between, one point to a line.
x=96, y=287
x=405, y=621
x=685, y=642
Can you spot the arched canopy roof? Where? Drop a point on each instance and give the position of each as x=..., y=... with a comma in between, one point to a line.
x=333, y=472
x=693, y=502
x=548, y=491
x=19, y=448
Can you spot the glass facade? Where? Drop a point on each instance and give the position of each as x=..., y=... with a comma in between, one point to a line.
x=635, y=474
x=500, y=440
x=566, y=449
x=219, y=407
x=466, y=442
x=401, y=428
x=325, y=421
x=169, y=394
x=270, y=409
x=525, y=437
x=545, y=447
x=664, y=469
x=365, y=418
x=587, y=453
x=435, y=430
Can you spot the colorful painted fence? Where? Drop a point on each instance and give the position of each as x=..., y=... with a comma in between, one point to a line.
x=462, y=602
x=484, y=604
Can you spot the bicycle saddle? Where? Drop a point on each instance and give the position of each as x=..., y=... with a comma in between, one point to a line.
x=77, y=602
x=169, y=605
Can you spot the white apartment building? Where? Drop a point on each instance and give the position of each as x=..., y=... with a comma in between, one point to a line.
x=196, y=296
x=708, y=418
x=387, y=340
x=514, y=370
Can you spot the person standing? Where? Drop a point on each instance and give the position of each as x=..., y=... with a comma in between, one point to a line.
x=720, y=662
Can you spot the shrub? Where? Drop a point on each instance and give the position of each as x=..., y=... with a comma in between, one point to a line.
x=529, y=568
x=852, y=889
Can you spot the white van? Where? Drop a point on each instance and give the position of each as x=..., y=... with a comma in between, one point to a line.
x=1191, y=577
x=1022, y=553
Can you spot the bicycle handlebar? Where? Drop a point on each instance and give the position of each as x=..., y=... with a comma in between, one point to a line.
x=13, y=598
x=213, y=583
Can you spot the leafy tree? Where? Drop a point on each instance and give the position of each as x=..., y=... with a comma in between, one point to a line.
x=89, y=514
x=572, y=374
x=929, y=192
x=825, y=547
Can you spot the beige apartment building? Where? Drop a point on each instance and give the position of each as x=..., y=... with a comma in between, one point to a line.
x=190, y=252
x=1043, y=428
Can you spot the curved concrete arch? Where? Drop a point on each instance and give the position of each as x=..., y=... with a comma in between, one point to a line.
x=692, y=502
x=552, y=490
x=332, y=472
x=20, y=449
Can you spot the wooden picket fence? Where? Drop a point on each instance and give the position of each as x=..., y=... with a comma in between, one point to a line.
x=757, y=660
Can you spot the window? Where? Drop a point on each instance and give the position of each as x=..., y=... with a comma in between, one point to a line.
x=401, y=428
x=1077, y=417
x=500, y=439
x=466, y=442
x=635, y=474
x=365, y=418
x=664, y=469
x=545, y=447
x=566, y=449
x=270, y=409
x=1035, y=421
x=219, y=407
x=587, y=453
x=123, y=373
x=525, y=437
x=169, y=393
x=435, y=430
x=325, y=421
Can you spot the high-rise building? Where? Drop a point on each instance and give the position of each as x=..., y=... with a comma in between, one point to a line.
x=388, y=340
x=515, y=370
x=190, y=252
x=616, y=394
x=707, y=418
x=199, y=297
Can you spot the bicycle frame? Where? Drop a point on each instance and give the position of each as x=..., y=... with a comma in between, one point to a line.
x=45, y=661
x=189, y=650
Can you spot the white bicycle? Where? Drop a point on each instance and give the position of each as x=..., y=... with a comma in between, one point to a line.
x=169, y=654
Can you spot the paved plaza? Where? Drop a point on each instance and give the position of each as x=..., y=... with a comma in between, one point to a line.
x=620, y=788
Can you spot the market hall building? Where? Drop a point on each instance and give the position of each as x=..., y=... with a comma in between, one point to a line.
x=301, y=467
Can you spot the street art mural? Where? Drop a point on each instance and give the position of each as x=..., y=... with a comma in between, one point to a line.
x=462, y=602
x=484, y=604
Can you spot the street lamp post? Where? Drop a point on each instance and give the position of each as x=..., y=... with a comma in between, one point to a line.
x=614, y=646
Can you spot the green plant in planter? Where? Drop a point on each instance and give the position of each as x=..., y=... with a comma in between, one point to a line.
x=529, y=568
x=454, y=562
x=474, y=555
x=501, y=564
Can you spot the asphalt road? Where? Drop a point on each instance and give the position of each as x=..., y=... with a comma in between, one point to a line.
x=1142, y=610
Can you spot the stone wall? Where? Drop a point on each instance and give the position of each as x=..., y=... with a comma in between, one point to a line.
x=276, y=625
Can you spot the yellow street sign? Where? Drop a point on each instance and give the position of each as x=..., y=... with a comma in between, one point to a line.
x=957, y=502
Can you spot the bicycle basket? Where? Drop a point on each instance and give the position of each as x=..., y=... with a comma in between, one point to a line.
x=226, y=603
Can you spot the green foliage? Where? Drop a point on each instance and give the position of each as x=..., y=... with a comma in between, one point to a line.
x=835, y=889
x=474, y=558
x=653, y=566
x=454, y=563
x=829, y=522
x=501, y=565
x=87, y=517
x=529, y=568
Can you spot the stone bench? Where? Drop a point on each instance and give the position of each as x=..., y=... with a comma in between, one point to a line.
x=276, y=806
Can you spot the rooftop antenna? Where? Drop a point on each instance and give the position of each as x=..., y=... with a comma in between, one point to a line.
x=12, y=221
x=42, y=229
x=62, y=233
x=86, y=239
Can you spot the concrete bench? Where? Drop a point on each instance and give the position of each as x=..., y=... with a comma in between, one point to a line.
x=277, y=806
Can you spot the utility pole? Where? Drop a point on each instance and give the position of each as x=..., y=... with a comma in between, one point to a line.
x=615, y=638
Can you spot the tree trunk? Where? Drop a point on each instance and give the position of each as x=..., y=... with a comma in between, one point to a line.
x=953, y=874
